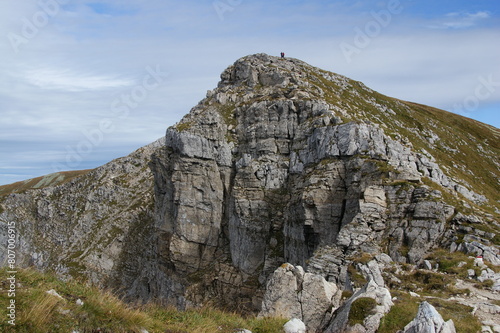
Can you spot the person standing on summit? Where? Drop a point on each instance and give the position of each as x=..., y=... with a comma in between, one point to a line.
x=282, y=54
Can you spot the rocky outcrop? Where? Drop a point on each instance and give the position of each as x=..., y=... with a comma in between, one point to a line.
x=292, y=293
x=92, y=226
x=375, y=289
x=294, y=182
x=281, y=163
x=428, y=320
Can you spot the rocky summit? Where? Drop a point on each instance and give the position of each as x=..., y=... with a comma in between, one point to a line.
x=288, y=191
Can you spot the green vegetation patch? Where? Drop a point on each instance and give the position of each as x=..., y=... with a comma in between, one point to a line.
x=461, y=315
x=429, y=283
x=41, y=182
x=363, y=258
x=227, y=113
x=403, y=311
x=452, y=262
x=184, y=126
x=457, y=264
x=357, y=279
x=360, y=309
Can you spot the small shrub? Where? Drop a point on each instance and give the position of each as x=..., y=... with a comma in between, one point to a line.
x=346, y=294
x=407, y=267
x=449, y=262
x=360, y=309
x=364, y=258
x=357, y=279
x=183, y=126
x=404, y=250
x=403, y=311
x=486, y=284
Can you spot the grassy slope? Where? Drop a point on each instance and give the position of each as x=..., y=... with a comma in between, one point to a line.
x=466, y=150
x=53, y=179
x=39, y=312
x=438, y=288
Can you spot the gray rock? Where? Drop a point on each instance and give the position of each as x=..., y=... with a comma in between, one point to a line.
x=486, y=329
x=489, y=253
x=294, y=325
x=427, y=265
x=318, y=299
x=281, y=298
x=291, y=293
x=54, y=293
x=428, y=320
x=383, y=299
x=488, y=308
x=372, y=272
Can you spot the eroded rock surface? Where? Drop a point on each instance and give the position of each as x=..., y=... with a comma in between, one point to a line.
x=292, y=293
x=281, y=163
x=428, y=320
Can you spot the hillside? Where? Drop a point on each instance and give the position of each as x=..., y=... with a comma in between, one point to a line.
x=51, y=180
x=47, y=304
x=288, y=191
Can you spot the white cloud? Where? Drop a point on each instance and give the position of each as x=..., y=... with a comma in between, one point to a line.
x=436, y=68
x=456, y=20
x=63, y=81
x=47, y=78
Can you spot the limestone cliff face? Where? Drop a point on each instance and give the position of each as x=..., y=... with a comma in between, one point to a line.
x=265, y=170
x=90, y=227
x=282, y=162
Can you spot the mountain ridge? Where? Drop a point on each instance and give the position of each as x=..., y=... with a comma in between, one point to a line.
x=281, y=163
x=459, y=120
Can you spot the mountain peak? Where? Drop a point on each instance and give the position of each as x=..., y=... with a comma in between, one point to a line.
x=264, y=70
x=320, y=98
x=281, y=163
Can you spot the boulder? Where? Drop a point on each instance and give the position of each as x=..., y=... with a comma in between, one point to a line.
x=428, y=320
x=292, y=293
x=383, y=299
x=294, y=325
x=281, y=298
x=317, y=299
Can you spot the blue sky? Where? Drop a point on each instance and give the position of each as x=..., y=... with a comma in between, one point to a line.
x=84, y=82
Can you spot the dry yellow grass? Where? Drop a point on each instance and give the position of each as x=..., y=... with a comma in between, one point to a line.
x=39, y=312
